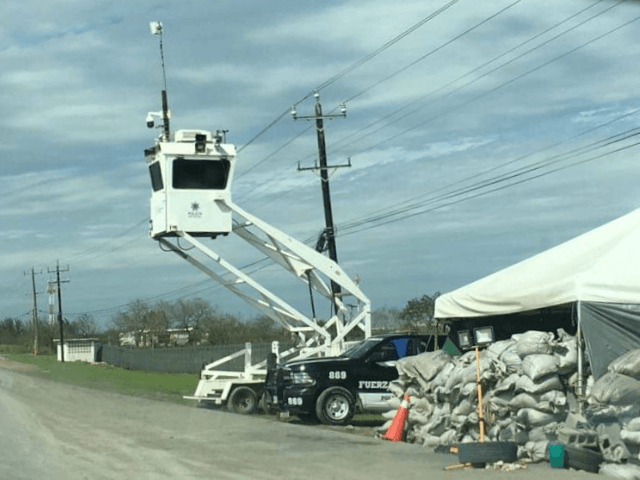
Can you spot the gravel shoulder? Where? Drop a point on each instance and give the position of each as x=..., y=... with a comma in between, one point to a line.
x=57, y=431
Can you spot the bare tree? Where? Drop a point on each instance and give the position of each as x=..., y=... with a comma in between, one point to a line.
x=417, y=315
x=85, y=326
x=190, y=316
x=133, y=320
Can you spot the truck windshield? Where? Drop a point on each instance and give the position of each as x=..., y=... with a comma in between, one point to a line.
x=360, y=349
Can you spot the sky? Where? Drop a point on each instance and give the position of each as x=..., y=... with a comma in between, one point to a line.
x=479, y=134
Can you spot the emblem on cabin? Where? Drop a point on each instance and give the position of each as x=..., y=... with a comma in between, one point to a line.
x=195, y=211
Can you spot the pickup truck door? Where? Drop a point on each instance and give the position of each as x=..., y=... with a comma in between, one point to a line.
x=377, y=370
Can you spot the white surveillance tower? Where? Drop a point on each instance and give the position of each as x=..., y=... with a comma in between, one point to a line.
x=191, y=178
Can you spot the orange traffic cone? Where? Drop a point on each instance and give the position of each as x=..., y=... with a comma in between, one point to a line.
x=396, y=429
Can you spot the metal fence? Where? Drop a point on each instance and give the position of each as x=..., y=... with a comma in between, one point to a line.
x=182, y=359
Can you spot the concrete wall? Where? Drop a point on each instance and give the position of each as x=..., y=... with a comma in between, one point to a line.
x=83, y=350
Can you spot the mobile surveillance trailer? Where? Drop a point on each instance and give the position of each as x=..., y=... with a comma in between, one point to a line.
x=191, y=177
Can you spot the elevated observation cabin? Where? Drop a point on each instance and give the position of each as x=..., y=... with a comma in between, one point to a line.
x=191, y=181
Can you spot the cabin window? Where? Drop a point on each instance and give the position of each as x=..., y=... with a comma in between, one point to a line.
x=156, y=176
x=200, y=174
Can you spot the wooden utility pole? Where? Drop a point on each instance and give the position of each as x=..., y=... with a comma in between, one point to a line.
x=35, y=310
x=328, y=235
x=60, y=321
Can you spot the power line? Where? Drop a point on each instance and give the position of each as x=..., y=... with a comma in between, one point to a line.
x=504, y=84
x=459, y=78
x=354, y=66
x=467, y=74
x=437, y=49
x=388, y=44
x=431, y=196
x=388, y=218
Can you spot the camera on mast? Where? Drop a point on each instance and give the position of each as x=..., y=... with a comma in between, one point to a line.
x=156, y=28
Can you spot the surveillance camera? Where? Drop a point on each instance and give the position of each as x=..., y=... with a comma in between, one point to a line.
x=156, y=28
x=149, y=121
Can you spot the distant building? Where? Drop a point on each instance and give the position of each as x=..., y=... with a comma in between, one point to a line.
x=170, y=337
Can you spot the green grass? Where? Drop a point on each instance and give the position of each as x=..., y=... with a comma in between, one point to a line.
x=166, y=387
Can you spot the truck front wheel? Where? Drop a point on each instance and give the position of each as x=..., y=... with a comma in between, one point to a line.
x=242, y=400
x=335, y=406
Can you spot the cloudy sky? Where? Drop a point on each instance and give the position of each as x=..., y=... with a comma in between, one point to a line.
x=480, y=133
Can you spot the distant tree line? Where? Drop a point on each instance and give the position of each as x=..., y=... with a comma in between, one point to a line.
x=198, y=321
x=17, y=335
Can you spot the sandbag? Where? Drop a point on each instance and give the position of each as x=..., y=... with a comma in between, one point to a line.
x=616, y=389
x=544, y=384
x=440, y=380
x=449, y=437
x=628, y=364
x=534, y=418
x=428, y=440
x=495, y=349
x=512, y=433
x=533, y=342
x=468, y=389
x=629, y=436
x=397, y=388
x=552, y=401
x=623, y=471
x=538, y=365
x=490, y=370
x=536, y=451
x=437, y=425
x=418, y=417
x=389, y=414
x=511, y=359
x=394, y=403
x=544, y=433
x=420, y=403
x=423, y=367
x=506, y=384
x=566, y=354
x=465, y=407
x=523, y=400
x=634, y=425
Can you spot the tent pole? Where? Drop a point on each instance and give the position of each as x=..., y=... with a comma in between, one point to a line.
x=580, y=355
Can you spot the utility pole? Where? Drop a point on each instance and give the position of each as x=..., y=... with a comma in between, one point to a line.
x=57, y=271
x=35, y=310
x=328, y=236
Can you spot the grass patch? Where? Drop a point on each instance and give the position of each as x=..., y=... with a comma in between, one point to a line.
x=168, y=387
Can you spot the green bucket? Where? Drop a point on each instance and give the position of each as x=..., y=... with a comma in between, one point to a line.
x=556, y=456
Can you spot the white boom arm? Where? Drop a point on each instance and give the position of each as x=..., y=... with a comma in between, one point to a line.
x=306, y=264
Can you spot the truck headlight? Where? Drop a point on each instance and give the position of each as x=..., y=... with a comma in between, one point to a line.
x=302, y=378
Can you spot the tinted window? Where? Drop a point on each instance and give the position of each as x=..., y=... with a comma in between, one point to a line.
x=156, y=177
x=392, y=350
x=200, y=174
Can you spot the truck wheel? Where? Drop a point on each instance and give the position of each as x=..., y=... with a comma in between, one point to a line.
x=335, y=406
x=242, y=400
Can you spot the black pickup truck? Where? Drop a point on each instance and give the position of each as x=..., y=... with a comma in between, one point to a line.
x=333, y=389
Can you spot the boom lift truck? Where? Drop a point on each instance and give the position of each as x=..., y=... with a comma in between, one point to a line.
x=191, y=176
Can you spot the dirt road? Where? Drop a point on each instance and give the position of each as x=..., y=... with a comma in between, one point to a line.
x=59, y=432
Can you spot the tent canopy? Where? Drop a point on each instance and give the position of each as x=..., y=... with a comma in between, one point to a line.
x=602, y=265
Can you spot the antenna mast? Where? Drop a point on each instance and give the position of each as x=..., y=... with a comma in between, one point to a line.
x=156, y=29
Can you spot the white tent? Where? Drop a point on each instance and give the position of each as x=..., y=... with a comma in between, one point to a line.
x=602, y=265
x=599, y=271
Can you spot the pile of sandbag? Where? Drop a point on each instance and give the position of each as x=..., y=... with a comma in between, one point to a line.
x=614, y=410
x=525, y=381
